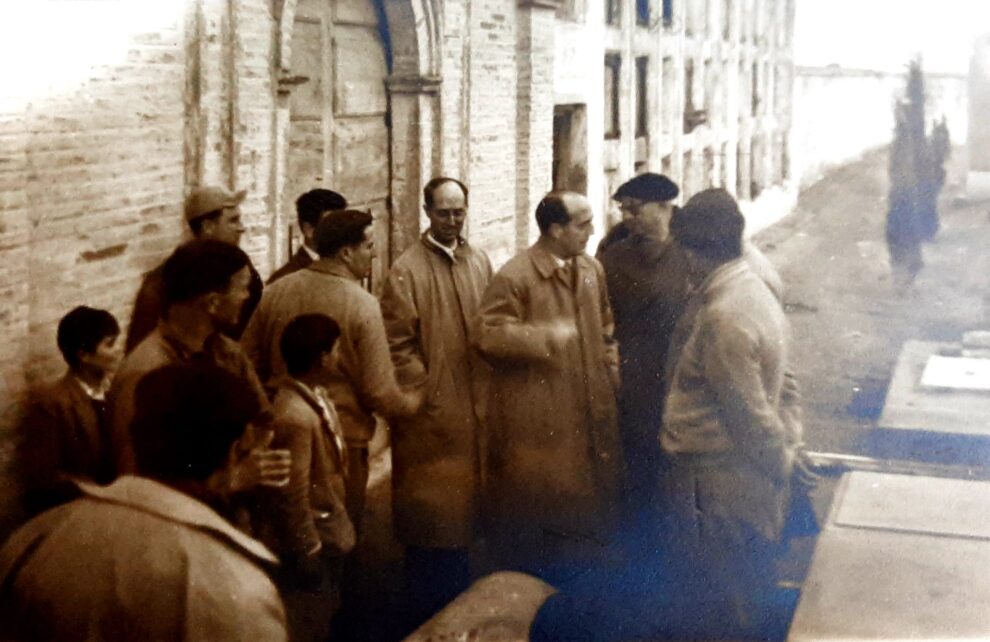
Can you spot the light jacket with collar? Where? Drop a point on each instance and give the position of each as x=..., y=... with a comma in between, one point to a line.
x=430, y=303
x=727, y=395
x=551, y=453
x=136, y=560
x=309, y=513
x=363, y=382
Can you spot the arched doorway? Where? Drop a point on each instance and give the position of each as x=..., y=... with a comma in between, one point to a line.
x=338, y=134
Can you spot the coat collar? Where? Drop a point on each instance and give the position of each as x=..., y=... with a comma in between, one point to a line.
x=333, y=269
x=546, y=262
x=722, y=275
x=152, y=497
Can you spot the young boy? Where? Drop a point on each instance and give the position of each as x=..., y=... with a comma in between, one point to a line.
x=65, y=429
x=309, y=525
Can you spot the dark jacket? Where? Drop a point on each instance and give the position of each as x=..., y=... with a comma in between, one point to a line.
x=299, y=261
x=65, y=436
x=149, y=304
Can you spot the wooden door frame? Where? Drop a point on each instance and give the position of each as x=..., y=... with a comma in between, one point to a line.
x=413, y=89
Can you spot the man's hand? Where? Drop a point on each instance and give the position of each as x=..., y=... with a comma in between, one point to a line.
x=261, y=466
x=560, y=334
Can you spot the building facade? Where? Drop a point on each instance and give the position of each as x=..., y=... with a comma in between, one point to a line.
x=101, y=137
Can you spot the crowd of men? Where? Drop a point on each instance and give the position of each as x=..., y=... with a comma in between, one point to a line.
x=566, y=416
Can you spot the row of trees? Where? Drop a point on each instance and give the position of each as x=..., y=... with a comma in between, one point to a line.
x=917, y=174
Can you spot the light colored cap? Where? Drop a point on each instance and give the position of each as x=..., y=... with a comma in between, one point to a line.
x=210, y=198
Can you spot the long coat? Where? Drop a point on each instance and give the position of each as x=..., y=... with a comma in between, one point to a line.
x=429, y=303
x=552, y=465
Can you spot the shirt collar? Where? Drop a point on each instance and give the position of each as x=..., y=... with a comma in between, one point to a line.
x=449, y=251
x=153, y=497
x=99, y=393
x=311, y=252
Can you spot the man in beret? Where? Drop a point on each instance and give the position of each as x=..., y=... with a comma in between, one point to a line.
x=728, y=437
x=212, y=213
x=647, y=289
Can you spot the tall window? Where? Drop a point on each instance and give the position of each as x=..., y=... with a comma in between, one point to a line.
x=688, y=94
x=755, y=96
x=643, y=12
x=726, y=19
x=642, y=79
x=668, y=12
x=613, y=65
x=613, y=12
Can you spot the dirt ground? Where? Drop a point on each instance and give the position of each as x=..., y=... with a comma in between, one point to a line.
x=848, y=323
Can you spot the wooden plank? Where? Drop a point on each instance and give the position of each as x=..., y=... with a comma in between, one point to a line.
x=360, y=70
x=881, y=585
x=927, y=505
x=306, y=100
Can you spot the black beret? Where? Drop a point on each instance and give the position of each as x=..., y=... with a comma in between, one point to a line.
x=710, y=223
x=648, y=187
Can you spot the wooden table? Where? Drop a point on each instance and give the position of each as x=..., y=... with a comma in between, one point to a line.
x=900, y=558
x=943, y=426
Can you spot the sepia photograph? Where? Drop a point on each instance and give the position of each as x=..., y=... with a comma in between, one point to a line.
x=495, y=320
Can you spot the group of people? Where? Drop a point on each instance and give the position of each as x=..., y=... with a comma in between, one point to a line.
x=566, y=413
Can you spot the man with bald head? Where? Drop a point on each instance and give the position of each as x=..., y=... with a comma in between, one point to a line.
x=551, y=454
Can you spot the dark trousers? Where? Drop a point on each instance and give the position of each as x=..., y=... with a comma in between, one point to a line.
x=356, y=482
x=434, y=577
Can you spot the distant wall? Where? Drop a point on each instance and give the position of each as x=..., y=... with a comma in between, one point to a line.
x=841, y=113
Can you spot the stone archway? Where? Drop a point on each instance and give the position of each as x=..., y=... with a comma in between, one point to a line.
x=405, y=94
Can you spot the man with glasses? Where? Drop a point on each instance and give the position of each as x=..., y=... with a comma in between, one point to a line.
x=430, y=302
x=647, y=289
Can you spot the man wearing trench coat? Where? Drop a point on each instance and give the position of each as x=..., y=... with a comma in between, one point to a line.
x=430, y=303
x=553, y=463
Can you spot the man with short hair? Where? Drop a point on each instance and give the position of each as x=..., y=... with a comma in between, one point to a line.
x=204, y=286
x=648, y=289
x=430, y=304
x=729, y=446
x=146, y=558
x=310, y=208
x=363, y=381
x=211, y=213
x=65, y=429
x=552, y=462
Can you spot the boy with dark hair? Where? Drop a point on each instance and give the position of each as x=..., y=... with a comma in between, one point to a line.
x=65, y=427
x=310, y=528
x=146, y=558
x=310, y=208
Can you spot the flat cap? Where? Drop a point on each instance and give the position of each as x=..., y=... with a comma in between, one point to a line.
x=649, y=188
x=210, y=198
x=710, y=223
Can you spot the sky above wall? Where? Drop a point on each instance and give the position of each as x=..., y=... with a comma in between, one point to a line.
x=885, y=34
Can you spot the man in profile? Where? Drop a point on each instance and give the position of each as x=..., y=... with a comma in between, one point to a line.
x=310, y=208
x=212, y=213
x=147, y=558
x=552, y=459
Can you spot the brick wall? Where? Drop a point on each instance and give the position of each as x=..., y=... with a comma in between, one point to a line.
x=94, y=164
x=90, y=181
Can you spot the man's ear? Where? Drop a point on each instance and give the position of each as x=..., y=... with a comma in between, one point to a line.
x=555, y=230
x=307, y=230
x=211, y=301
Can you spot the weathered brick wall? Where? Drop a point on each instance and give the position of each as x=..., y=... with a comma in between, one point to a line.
x=90, y=184
x=93, y=170
x=491, y=126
